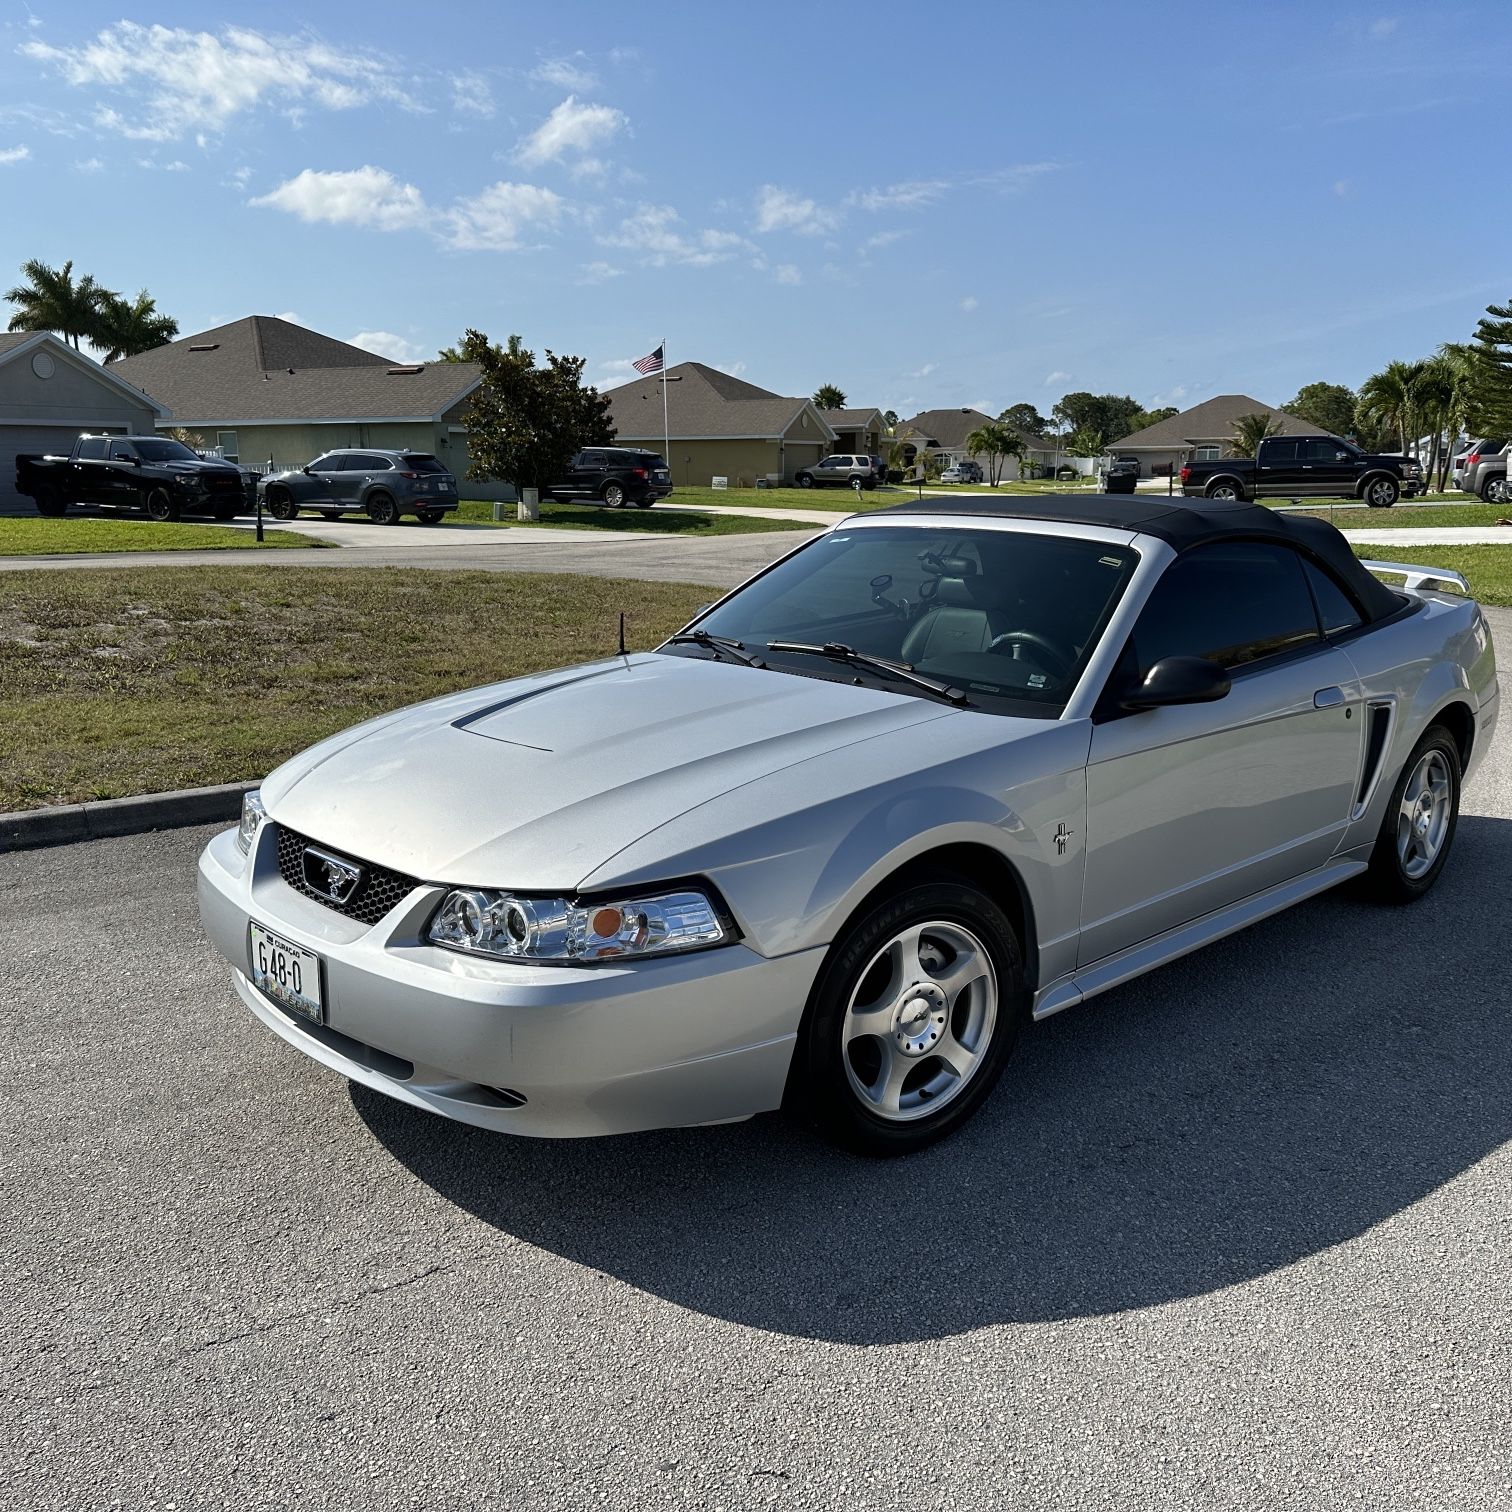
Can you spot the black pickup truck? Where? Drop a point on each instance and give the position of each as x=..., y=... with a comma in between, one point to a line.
x=154, y=473
x=1303, y=467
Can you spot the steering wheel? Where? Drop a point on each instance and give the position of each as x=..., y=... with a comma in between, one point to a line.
x=1055, y=660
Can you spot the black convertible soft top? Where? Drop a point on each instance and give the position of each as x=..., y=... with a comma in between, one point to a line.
x=1183, y=526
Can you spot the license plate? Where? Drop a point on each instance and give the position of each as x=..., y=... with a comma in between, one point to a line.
x=287, y=973
x=443, y=488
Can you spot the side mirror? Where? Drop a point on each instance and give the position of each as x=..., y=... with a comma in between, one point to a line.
x=132, y=461
x=306, y=470
x=1179, y=680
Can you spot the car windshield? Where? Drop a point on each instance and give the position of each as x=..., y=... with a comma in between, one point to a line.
x=1008, y=618
x=422, y=462
x=151, y=450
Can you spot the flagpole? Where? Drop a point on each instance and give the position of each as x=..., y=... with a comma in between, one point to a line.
x=666, y=424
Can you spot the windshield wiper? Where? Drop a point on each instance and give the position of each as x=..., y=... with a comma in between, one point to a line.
x=720, y=645
x=837, y=651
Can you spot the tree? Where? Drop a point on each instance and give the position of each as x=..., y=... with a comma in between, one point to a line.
x=891, y=418
x=1251, y=430
x=827, y=397
x=524, y=422
x=1146, y=418
x=997, y=441
x=1329, y=406
x=1489, y=376
x=1105, y=417
x=190, y=438
x=50, y=300
x=129, y=327
x=1025, y=420
x=1388, y=399
x=456, y=354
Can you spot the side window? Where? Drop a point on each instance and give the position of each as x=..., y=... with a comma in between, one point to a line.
x=1231, y=603
x=1335, y=609
x=334, y=462
x=122, y=451
x=593, y=459
x=1319, y=449
x=1278, y=453
x=370, y=463
x=92, y=450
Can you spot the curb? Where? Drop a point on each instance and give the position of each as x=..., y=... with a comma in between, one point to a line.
x=33, y=828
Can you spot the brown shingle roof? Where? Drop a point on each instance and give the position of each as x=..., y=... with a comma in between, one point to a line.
x=703, y=404
x=1213, y=420
x=846, y=419
x=245, y=378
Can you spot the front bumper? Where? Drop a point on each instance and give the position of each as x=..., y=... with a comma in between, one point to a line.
x=538, y=1050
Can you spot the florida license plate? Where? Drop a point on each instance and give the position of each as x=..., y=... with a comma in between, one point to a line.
x=287, y=973
x=443, y=488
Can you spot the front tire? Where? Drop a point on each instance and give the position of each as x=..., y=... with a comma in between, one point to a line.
x=913, y=1016
x=1381, y=493
x=804, y=480
x=1418, y=829
x=226, y=512
x=614, y=496
x=382, y=510
x=281, y=505
x=160, y=505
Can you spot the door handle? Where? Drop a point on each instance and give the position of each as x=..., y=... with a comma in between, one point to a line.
x=1328, y=698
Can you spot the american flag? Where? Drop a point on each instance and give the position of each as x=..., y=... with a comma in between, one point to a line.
x=652, y=364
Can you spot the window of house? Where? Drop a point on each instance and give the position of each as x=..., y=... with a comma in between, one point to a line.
x=1207, y=453
x=1231, y=603
x=226, y=441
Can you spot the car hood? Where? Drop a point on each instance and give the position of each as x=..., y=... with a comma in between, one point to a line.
x=536, y=783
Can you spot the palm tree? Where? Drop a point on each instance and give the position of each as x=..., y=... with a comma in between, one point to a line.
x=129, y=327
x=829, y=396
x=1251, y=430
x=1389, y=399
x=50, y=300
x=997, y=441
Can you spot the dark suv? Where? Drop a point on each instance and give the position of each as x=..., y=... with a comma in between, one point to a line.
x=380, y=484
x=615, y=475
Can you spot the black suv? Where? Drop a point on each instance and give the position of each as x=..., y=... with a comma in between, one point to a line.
x=616, y=475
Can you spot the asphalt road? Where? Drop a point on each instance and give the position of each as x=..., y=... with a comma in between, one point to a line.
x=1237, y=1235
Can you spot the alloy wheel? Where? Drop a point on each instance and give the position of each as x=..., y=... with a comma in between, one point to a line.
x=920, y=1020
x=1424, y=813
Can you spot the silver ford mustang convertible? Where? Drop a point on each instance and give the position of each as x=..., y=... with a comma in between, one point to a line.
x=942, y=770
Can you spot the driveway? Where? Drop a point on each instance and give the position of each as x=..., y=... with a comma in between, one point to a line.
x=1235, y=1235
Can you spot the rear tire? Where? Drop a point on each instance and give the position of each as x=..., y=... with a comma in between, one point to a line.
x=160, y=505
x=804, y=480
x=50, y=504
x=382, y=510
x=1224, y=491
x=1381, y=493
x=1494, y=491
x=1421, y=817
x=281, y=505
x=614, y=495
x=894, y=1092
x=430, y=516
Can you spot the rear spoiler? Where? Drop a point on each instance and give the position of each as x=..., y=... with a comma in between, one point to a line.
x=1421, y=577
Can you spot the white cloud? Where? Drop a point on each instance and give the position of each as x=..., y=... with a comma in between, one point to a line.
x=90, y=165
x=1058, y=376
x=589, y=168
x=1341, y=188
x=883, y=239
x=779, y=210
x=497, y=219
x=914, y=195
x=654, y=232
x=238, y=177
x=969, y=303
x=177, y=81
x=176, y=166
x=571, y=74
x=17, y=154
x=787, y=273
x=925, y=371
x=366, y=196
x=292, y=316
x=1011, y=180
x=617, y=367
x=386, y=344
x=600, y=272
x=734, y=369
x=1382, y=27
x=571, y=127
x=471, y=95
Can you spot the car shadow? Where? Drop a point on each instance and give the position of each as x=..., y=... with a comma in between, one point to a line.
x=1253, y=1104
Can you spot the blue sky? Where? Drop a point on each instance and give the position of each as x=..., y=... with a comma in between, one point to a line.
x=978, y=205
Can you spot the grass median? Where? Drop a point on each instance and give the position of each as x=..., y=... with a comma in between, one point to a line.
x=121, y=681
x=87, y=536
x=661, y=519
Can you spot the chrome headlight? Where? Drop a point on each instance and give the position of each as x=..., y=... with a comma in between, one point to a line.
x=566, y=930
x=252, y=815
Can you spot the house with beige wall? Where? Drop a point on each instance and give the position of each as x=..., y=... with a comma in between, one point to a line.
x=263, y=390
x=720, y=427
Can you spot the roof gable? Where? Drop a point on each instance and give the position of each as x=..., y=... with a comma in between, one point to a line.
x=15, y=344
x=704, y=404
x=1214, y=420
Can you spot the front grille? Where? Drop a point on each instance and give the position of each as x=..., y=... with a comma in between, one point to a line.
x=378, y=891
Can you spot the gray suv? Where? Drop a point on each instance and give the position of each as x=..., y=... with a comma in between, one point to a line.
x=384, y=485
x=1482, y=469
x=845, y=469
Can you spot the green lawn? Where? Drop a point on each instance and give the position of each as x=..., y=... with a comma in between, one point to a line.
x=131, y=680
x=662, y=519
x=69, y=537
x=1487, y=569
x=1406, y=516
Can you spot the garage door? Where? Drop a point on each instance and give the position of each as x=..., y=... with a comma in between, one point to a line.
x=47, y=439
